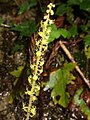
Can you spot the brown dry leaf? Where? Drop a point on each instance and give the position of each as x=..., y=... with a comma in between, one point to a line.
x=52, y=55
x=59, y=22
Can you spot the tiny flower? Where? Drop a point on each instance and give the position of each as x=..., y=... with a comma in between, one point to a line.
x=38, y=53
x=41, y=34
x=28, y=92
x=47, y=11
x=51, y=4
x=52, y=13
x=35, y=77
x=29, y=80
x=46, y=37
x=40, y=71
x=32, y=66
x=33, y=111
x=37, y=43
x=34, y=98
x=45, y=23
x=44, y=41
x=45, y=17
x=51, y=22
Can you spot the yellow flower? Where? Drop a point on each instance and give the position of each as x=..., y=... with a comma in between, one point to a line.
x=41, y=71
x=29, y=80
x=34, y=98
x=37, y=43
x=46, y=16
x=41, y=34
x=38, y=53
x=44, y=41
x=47, y=11
x=32, y=66
x=33, y=111
x=52, y=12
x=51, y=22
x=35, y=77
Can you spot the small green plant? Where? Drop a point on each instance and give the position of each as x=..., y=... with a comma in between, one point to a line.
x=48, y=32
x=27, y=5
x=58, y=82
x=38, y=61
x=81, y=103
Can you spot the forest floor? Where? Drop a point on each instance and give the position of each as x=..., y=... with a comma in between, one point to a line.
x=10, y=60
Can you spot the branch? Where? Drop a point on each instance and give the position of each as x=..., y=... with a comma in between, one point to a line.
x=73, y=61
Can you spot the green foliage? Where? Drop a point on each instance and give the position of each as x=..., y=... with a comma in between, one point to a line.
x=27, y=5
x=73, y=30
x=87, y=39
x=17, y=72
x=18, y=47
x=1, y=21
x=26, y=28
x=58, y=82
x=81, y=103
x=87, y=46
x=74, y=2
x=62, y=9
x=56, y=33
x=84, y=28
x=87, y=51
x=84, y=5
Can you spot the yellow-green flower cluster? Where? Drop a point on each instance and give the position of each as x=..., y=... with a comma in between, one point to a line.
x=38, y=58
x=42, y=43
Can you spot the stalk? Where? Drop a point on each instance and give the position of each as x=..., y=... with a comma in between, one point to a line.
x=38, y=61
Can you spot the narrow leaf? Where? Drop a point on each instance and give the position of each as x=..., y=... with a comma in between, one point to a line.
x=26, y=28
x=17, y=72
x=27, y=5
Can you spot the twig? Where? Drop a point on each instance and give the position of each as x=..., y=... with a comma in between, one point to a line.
x=4, y=25
x=73, y=61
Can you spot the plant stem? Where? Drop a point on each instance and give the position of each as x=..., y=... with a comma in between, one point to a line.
x=30, y=101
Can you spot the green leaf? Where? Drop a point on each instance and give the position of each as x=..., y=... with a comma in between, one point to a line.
x=85, y=5
x=87, y=51
x=87, y=39
x=73, y=30
x=58, y=81
x=1, y=21
x=26, y=28
x=84, y=28
x=81, y=103
x=17, y=72
x=56, y=33
x=64, y=32
x=18, y=47
x=74, y=2
x=27, y=5
x=77, y=95
x=62, y=9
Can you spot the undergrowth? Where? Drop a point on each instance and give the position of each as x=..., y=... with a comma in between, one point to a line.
x=49, y=32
